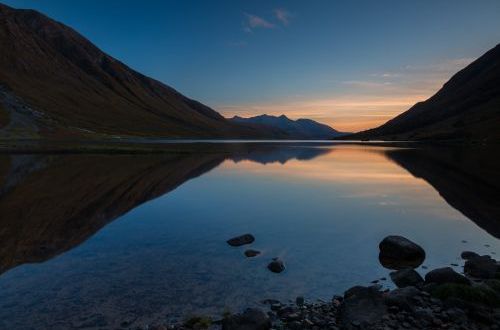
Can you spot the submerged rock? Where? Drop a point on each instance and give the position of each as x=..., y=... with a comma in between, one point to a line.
x=251, y=253
x=241, y=240
x=250, y=319
x=483, y=267
x=406, y=277
x=445, y=275
x=276, y=266
x=397, y=252
x=466, y=255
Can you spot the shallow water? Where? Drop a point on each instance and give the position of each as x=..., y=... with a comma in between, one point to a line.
x=110, y=241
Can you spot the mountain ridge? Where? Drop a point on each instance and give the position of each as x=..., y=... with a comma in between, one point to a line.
x=55, y=82
x=300, y=128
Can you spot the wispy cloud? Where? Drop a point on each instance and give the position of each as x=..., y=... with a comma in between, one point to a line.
x=255, y=22
x=386, y=75
x=367, y=83
x=283, y=16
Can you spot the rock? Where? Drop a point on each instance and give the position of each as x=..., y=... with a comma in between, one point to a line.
x=406, y=277
x=276, y=307
x=299, y=301
x=284, y=312
x=483, y=267
x=250, y=319
x=397, y=252
x=362, y=305
x=276, y=266
x=251, y=253
x=466, y=255
x=241, y=240
x=445, y=275
x=402, y=298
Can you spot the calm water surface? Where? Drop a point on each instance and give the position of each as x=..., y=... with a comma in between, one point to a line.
x=92, y=241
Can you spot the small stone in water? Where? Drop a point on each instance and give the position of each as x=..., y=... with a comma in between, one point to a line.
x=276, y=266
x=251, y=253
x=241, y=240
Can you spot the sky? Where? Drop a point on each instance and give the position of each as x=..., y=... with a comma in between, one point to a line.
x=350, y=64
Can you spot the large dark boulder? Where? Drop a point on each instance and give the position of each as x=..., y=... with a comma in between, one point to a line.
x=250, y=319
x=445, y=275
x=483, y=267
x=397, y=252
x=361, y=307
x=406, y=277
x=241, y=240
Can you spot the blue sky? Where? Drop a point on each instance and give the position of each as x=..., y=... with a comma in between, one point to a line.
x=351, y=64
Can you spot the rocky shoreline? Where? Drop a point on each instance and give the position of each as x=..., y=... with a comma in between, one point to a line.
x=443, y=299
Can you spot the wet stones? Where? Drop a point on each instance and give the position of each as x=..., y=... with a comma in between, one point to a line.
x=406, y=277
x=445, y=275
x=483, y=267
x=466, y=255
x=398, y=252
x=276, y=266
x=251, y=318
x=362, y=305
x=251, y=253
x=241, y=240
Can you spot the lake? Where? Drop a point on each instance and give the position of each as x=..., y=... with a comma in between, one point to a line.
x=118, y=241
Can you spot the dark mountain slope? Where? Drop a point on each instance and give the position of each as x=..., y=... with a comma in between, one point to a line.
x=55, y=82
x=467, y=107
x=297, y=129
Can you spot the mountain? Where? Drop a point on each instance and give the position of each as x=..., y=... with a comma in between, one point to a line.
x=296, y=129
x=467, y=107
x=56, y=83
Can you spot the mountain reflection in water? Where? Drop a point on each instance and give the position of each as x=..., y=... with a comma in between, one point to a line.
x=50, y=204
x=322, y=208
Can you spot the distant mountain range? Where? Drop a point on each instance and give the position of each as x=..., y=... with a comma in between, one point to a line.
x=467, y=107
x=299, y=129
x=55, y=83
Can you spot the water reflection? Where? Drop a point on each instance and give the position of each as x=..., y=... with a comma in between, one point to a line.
x=322, y=209
x=50, y=204
x=468, y=178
